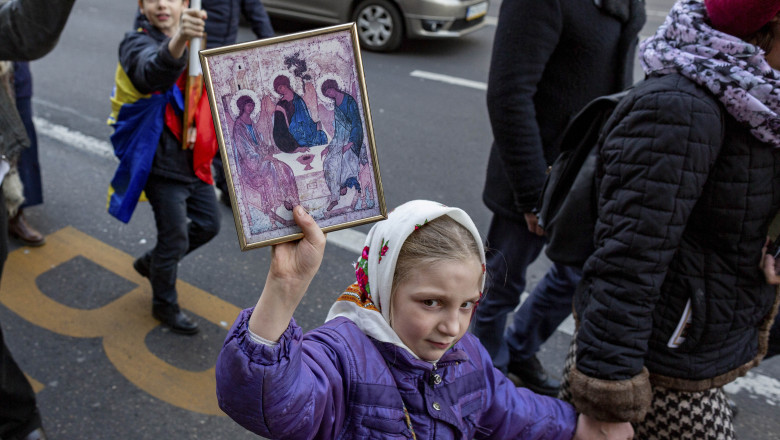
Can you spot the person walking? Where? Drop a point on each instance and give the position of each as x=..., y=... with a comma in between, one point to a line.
x=176, y=181
x=549, y=59
x=673, y=304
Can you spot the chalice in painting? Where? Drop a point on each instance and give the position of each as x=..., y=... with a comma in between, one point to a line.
x=306, y=160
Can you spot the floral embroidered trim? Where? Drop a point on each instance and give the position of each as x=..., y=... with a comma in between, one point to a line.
x=416, y=227
x=361, y=269
x=384, y=249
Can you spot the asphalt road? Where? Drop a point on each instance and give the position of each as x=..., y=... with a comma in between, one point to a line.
x=77, y=317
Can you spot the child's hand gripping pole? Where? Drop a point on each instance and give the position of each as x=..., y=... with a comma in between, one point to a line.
x=293, y=266
x=192, y=25
x=193, y=89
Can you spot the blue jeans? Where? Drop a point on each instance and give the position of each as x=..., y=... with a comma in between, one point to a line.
x=187, y=217
x=28, y=166
x=511, y=249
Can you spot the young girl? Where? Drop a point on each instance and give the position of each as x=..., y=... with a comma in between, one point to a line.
x=393, y=359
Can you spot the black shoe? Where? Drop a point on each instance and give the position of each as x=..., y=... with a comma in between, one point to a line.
x=141, y=265
x=531, y=375
x=177, y=320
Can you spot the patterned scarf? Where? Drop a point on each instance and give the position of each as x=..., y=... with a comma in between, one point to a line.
x=367, y=302
x=735, y=71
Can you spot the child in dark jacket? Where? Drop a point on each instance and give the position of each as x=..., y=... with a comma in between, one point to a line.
x=147, y=117
x=393, y=359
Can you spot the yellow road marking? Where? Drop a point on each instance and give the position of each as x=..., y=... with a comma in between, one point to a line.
x=123, y=324
x=36, y=386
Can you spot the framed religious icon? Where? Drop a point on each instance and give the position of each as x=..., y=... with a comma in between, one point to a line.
x=294, y=127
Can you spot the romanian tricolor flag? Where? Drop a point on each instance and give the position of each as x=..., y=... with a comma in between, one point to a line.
x=138, y=120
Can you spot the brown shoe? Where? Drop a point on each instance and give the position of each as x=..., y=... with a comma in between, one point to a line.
x=19, y=228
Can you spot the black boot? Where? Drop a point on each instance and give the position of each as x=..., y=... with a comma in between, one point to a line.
x=530, y=374
x=141, y=265
x=174, y=318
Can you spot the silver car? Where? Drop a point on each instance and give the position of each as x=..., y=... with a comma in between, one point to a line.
x=383, y=24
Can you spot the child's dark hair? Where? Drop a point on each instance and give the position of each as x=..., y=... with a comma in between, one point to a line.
x=441, y=239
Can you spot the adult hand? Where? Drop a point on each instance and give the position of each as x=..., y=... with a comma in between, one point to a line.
x=532, y=221
x=589, y=428
x=293, y=266
x=769, y=265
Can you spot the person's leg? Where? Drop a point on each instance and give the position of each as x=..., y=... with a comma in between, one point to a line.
x=511, y=249
x=169, y=203
x=220, y=181
x=28, y=165
x=203, y=214
x=30, y=176
x=536, y=320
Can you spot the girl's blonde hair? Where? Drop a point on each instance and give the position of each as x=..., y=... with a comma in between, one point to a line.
x=441, y=239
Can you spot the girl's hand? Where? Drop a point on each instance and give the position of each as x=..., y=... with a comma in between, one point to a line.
x=769, y=266
x=589, y=428
x=293, y=266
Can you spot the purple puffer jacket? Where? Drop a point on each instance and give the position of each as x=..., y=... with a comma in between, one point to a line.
x=337, y=383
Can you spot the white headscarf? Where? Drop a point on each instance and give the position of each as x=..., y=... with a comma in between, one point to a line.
x=367, y=303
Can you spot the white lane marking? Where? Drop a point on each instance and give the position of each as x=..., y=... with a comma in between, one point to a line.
x=757, y=385
x=348, y=239
x=73, y=138
x=491, y=21
x=449, y=79
x=64, y=109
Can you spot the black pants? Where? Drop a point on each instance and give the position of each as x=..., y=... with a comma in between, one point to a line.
x=187, y=217
x=18, y=410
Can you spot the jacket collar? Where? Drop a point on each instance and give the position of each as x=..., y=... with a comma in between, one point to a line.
x=401, y=358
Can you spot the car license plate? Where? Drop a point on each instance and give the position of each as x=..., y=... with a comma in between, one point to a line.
x=476, y=11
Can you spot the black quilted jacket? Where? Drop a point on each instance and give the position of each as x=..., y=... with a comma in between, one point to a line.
x=685, y=199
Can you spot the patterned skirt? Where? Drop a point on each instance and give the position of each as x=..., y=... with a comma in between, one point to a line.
x=673, y=414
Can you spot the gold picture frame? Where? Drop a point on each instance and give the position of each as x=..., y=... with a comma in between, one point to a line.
x=289, y=112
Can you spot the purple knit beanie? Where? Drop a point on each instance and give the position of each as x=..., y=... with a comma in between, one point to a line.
x=741, y=17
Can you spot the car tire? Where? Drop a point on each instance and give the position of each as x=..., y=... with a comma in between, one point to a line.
x=379, y=24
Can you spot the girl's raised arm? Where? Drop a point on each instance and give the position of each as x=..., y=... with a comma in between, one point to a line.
x=293, y=266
